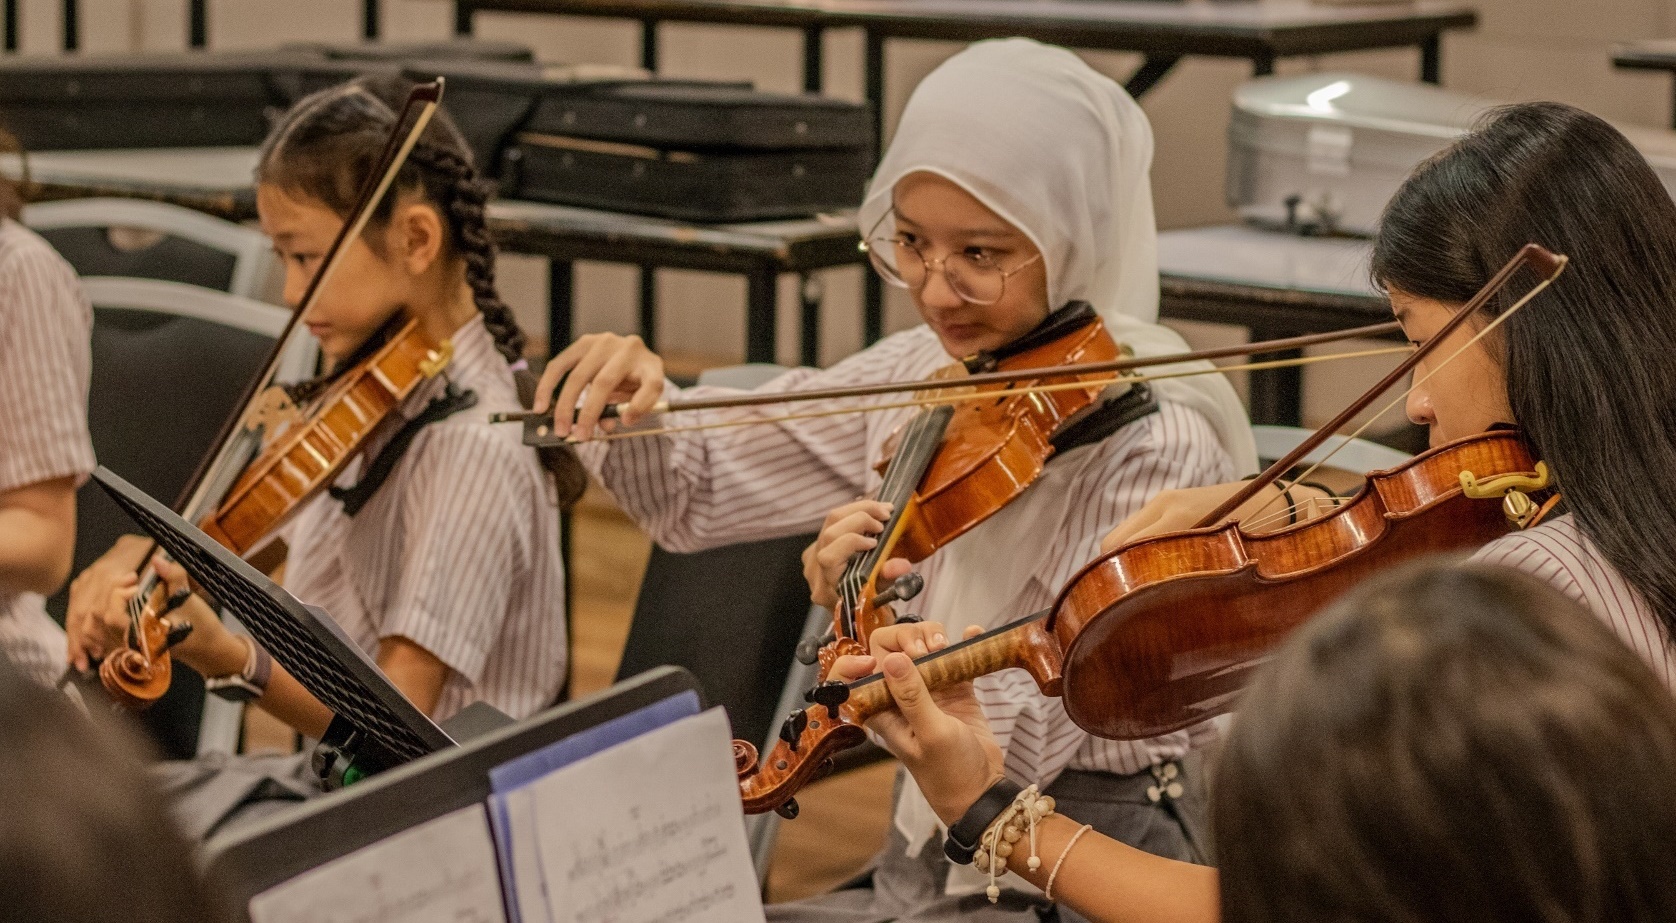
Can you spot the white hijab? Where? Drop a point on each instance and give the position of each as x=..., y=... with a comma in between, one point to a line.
x=1062, y=153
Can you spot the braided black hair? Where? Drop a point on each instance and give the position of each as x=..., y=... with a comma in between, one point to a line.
x=326, y=146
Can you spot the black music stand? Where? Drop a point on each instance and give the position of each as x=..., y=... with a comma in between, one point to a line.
x=252, y=859
x=374, y=726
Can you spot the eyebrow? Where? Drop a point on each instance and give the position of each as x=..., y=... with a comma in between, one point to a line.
x=983, y=232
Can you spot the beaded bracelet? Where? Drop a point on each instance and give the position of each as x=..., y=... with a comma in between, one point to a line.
x=1052, y=876
x=996, y=845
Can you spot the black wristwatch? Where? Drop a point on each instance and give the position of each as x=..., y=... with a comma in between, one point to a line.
x=962, y=842
x=247, y=685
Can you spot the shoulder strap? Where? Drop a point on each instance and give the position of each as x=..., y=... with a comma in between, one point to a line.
x=451, y=401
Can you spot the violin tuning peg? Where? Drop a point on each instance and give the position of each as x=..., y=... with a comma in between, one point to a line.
x=789, y=810
x=901, y=589
x=831, y=693
x=809, y=649
x=792, y=730
x=176, y=599
x=178, y=632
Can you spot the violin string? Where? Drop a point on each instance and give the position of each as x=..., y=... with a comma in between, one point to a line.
x=1403, y=395
x=1081, y=384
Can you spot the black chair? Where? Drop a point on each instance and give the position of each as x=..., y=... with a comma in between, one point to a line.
x=169, y=363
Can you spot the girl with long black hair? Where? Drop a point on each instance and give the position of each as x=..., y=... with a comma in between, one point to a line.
x=1585, y=372
x=448, y=571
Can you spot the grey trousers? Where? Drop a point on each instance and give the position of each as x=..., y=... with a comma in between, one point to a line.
x=218, y=792
x=903, y=890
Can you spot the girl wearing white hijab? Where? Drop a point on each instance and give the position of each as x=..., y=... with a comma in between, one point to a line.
x=1017, y=182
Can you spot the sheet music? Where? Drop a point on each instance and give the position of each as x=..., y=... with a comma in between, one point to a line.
x=442, y=871
x=649, y=831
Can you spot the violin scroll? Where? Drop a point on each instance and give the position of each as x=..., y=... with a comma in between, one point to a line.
x=140, y=672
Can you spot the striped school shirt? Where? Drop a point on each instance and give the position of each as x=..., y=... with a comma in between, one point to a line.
x=701, y=489
x=45, y=363
x=458, y=551
x=1559, y=553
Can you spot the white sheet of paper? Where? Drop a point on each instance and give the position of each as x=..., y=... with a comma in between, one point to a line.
x=442, y=871
x=648, y=831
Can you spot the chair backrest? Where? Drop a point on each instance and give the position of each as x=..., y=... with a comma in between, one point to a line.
x=1348, y=454
x=169, y=363
x=732, y=616
x=155, y=240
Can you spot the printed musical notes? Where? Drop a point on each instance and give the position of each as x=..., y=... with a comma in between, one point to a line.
x=442, y=871
x=648, y=831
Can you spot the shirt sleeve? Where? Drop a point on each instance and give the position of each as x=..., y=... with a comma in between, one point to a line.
x=45, y=365
x=1174, y=448
x=467, y=500
x=705, y=488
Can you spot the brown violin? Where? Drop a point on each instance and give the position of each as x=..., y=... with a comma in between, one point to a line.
x=1162, y=633
x=955, y=465
x=305, y=450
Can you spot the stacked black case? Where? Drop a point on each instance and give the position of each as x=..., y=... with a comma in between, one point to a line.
x=615, y=140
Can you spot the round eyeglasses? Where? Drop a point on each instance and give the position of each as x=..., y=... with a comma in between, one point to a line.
x=974, y=277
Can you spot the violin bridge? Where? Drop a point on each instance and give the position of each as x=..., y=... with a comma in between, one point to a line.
x=272, y=411
x=1514, y=491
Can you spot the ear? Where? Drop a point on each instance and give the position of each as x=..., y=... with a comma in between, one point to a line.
x=417, y=236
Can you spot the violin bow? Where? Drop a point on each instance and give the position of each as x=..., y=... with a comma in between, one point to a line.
x=420, y=107
x=989, y=378
x=1545, y=264
x=200, y=488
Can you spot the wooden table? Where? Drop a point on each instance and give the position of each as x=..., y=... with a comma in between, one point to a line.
x=218, y=181
x=1260, y=31
x=1275, y=285
x=1650, y=55
x=1271, y=283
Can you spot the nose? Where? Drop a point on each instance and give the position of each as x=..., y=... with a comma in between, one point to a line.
x=296, y=283
x=1418, y=406
x=937, y=292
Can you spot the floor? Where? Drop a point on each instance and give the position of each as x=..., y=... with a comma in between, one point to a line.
x=843, y=818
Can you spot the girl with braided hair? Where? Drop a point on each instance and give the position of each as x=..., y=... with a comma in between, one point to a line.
x=444, y=566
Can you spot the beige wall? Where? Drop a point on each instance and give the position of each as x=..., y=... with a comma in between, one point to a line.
x=1523, y=49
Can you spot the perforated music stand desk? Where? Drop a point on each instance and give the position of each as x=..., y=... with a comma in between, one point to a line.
x=257, y=857
x=305, y=640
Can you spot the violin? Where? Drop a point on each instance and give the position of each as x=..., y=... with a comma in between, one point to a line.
x=305, y=452
x=953, y=466
x=1162, y=633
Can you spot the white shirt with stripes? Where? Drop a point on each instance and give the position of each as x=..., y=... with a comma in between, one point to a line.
x=701, y=489
x=458, y=551
x=45, y=364
x=1558, y=553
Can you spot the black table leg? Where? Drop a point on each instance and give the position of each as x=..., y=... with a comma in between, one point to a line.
x=1276, y=394
x=1672, y=99
x=873, y=307
x=1149, y=73
x=875, y=91
x=1262, y=66
x=649, y=306
x=873, y=294
x=810, y=292
x=462, y=17
x=11, y=25
x=72, y=26
x=760, y=302
x=561, y=287
x=1431, y=59
x=649, y=44
x=197, y=30
x=369, y=20
x=814, y=59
